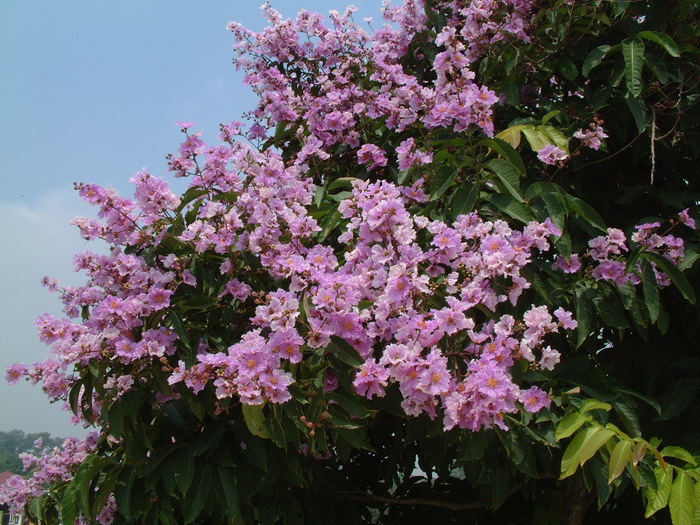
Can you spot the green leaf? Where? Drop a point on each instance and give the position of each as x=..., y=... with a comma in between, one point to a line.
x=511, y=135
x=255, y=420
x=633, y=53
x=549, y=116
x=593, y=443
x=464, y=199
x=330, y=220
x=594, y=404
x=586, y=212
x=352, y=408
x=651, y=291
x=442, y=181
x=196, y=499
x=663, y=40
x=344, y=351
x=679, y=453
x=507, y=175
x=555, y=136
x=179, y=328
x=567, y=68
x=674, y=273
x=570, y=424
x=594, y=59
x=572, y=455
x=620, y=457
x=69, y=505
x=507, y=151
x=184, y=472
x=584, y=315
x=536, y=138
x=659, y=498
x=510, y=206
x=682, y=499
x=638, y=110
x=229, y=490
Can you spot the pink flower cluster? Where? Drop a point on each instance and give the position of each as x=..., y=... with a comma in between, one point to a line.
x=321, y=79
x=593, y=136
x=607, y=254
x=52, y=466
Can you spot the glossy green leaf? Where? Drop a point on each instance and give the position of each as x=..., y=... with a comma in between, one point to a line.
x=663, y=40
x=594, y=404
x=507, y=151
x=229, y=490
x=507, y=176
x=682, y=499
x=442, y=181
x=255, y=420
x=658, y=498
x=464, y=199
x=344, y=351
x=353, y=408
x=511, y=207
x=196, y=498
x=638, y=110
x=572, y=455
x=586, y=212
x=594, y=58
x=651, y=291
x=674, y=273
x=633, y=53
x=679, y=453
x=570, y=424
x=619, y=459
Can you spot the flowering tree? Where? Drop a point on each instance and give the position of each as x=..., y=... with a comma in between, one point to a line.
x=428, y=281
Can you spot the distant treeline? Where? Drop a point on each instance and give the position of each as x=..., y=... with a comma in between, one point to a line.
x=14, y=442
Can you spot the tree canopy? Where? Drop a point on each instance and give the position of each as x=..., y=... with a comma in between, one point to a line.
x=445, y=272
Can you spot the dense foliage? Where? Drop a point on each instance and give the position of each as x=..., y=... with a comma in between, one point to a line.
x=445, y=274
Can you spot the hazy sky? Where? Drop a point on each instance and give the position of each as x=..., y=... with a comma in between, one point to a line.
x=90, y=91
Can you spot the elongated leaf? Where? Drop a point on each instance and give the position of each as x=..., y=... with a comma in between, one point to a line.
x=620, y=457
x=464, y=199
x=659, y=498
x=511, y=135
x=352, y=408
x=679, y=453
x=549, y=116
x=651, y=291
x=682, y=499
x=196, y=499
x=555, y=136
x=674, y=273
x=586, y=212
x=633, y=53
x=179, y=328
x=570, y=424
x=507, y=151
x=344, y=351
x=594, y=404
x=510, y=206
x=442, y=181
x=536, y=138
x=638, y=110
x=572, y=455
x=593, y=443
x=507, y=175
x=594, y=59
x=663, y=40
x=255, y=420
x=227, y=482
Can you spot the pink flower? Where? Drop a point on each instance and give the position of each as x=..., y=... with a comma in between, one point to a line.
x=534, y=399
x=552, y=154
x=686, y=219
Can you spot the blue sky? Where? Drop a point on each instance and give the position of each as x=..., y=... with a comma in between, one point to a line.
x=90, y=91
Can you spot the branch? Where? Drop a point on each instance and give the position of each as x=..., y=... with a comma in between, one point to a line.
x=366, y=497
